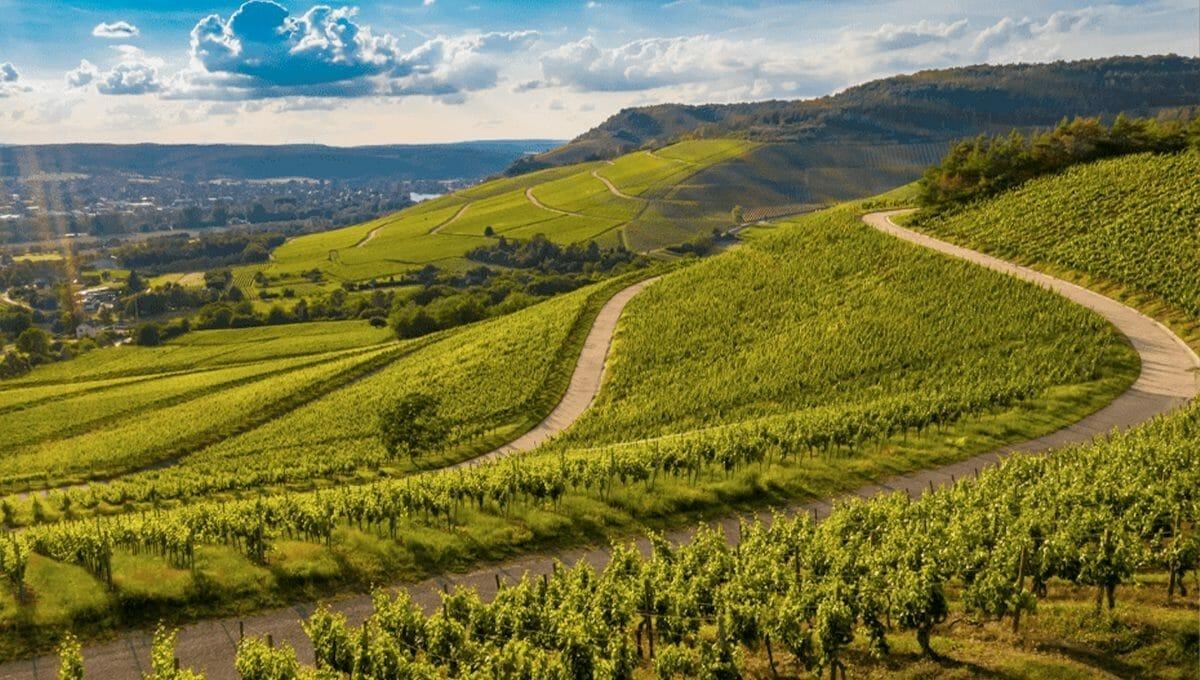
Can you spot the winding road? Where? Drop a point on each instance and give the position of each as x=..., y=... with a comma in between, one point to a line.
x=1168, y=379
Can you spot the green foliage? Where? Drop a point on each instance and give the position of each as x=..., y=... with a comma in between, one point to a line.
x=256, y=660
x=821, y=318
x=34, y=341
x=872, y=568
x=986, y=166
x=1130, y=221
x=70, y=658
x=163, y=663
x=411, y=424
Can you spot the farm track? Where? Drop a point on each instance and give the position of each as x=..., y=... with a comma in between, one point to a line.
x=1168, y=380
x=538, y=204
x=612, y=188
x=453, y=218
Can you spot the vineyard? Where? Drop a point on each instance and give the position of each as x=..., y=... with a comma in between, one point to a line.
x=223, y=429
x=864, y=382
x=795, y=596
x=826, y=314
x=570, y=204
x=1129, y=221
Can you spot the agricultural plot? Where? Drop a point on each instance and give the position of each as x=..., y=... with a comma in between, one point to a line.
x=568, y=204
x=826, y=312
x=1129, y=221
x=796, y=431
x=166, y=426
x=206, y=349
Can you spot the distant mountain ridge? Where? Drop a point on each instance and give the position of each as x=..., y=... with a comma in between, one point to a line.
x=200, y=162
x=928, y=106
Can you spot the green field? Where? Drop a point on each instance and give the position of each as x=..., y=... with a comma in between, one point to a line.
x=575, y=206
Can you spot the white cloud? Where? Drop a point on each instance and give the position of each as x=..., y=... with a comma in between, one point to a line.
x=263, y=52
x=134, y=73
x=1008, y=30
x=10, y=80
x=647, y=64
x=117, y=30
x=892, y=37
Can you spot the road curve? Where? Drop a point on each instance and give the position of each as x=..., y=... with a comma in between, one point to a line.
x=612, y=188
x=585, y=380
x=1168, y=380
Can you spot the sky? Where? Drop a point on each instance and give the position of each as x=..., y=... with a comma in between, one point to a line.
x=413, y=71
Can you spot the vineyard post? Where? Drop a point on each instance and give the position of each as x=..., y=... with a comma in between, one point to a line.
x=1020, y=590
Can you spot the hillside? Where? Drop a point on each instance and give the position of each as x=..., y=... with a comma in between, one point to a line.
x=934, y=105
x=622, y=202
x=1127, y=221
x=872, y=137
x=244, y=513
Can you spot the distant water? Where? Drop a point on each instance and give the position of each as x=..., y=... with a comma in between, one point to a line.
x=417, y=198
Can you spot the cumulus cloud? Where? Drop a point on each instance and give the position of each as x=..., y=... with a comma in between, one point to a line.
x=1009, y=30
x=892, y=37
x=133, y=74
x=262, y=51
x=10, y=80
x=117, y=30
x=646, y=64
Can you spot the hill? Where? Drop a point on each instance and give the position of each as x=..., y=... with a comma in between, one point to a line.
x=203, y=162
x=622, y=202
x=933, y=105
x=872, y=137
x=1126, y=222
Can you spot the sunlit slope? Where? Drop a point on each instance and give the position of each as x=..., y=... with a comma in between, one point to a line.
x=248, y=407
x=1133, y=221
x=826, y=315
x=589, y=201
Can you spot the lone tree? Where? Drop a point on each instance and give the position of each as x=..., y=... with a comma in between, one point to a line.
x=410, y=425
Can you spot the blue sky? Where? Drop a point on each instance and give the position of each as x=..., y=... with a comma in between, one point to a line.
x=440, y=70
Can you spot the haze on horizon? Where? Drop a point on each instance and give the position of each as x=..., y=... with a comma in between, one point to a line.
x=416, y=71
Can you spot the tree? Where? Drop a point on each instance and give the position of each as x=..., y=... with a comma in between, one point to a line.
x=489, y=231
x=411, y=425
x=135, y=283
x=738, y=214
x=148, y=335
x=34, y=342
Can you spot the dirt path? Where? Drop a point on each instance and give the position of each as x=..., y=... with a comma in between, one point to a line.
x=1168, y=380
x=538, y=204
x=612, y=188
x=15, y=303
x=585, y=380
x=453, y=218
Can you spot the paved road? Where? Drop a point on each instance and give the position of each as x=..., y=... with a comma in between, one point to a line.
x=1168, y=380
